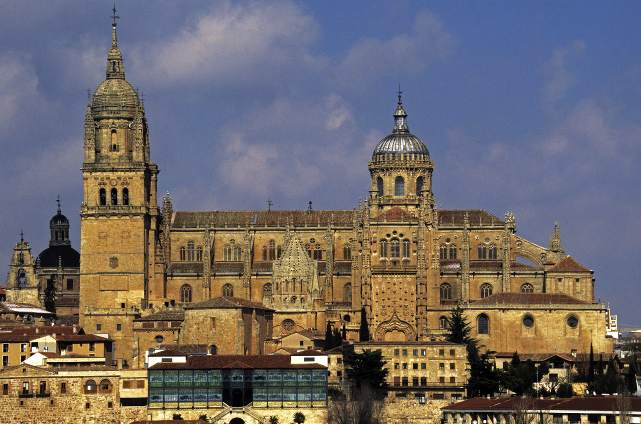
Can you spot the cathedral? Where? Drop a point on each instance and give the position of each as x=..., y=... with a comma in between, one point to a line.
x=395, y=261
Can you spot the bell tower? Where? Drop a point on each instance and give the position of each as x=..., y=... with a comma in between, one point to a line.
x=119, y=210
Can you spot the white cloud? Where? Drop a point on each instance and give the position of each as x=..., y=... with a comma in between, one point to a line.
x=405, y=53
x=232, y=42
x=557, y=77
x=18, y=87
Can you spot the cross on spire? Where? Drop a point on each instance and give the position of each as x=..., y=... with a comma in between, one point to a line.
x=269, y=205
x=114, y=16
x=58, y=202
x=21, y=236
x=310, y=205
x=400, y=94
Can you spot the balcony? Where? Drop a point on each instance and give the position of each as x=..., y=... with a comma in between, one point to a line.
x=43, y=394
x=25, y=394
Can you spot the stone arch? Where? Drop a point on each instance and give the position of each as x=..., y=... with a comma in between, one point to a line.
x=393, y=328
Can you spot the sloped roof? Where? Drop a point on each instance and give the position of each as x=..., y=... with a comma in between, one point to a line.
x=395, y=214
x=262, y=218
x=235, y=362
x=476, y=217
x=225, y=302
x=537, y=357
x=568, y=264
x=166, y=315
x=592, y=403
x=529, y=299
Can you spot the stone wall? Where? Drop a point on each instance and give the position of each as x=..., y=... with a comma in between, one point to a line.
x=410, y=411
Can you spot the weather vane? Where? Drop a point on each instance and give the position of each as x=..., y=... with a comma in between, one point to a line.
x=114, y=16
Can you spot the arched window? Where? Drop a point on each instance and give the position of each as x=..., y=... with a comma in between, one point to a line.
x=114, y=196
x=419, y=186
x=399, y=186
x=446, y=291
x=183, y=253
x=447, y=251
x=228, y=290
x=213, y=350
x=314, y=250
x=185, y=293
x=90, y=386
x=347, y=252
x=267, y=292
x=288, y=324
x=383, y=248
x=492, y=252
x=191, y=251
x=452, y=251
x=125, y=196
x=379, y=187
x=102, y=197
x=483, y=324
x=486, y=290
x=347, y=293
x=199, y=254
x=232, y=252
x=105, y=386
x=395, y=248
x=482, y=251
x=443, y=323
x=113, y=146
x=527, y=288
x=406, y=248
x=269, y=251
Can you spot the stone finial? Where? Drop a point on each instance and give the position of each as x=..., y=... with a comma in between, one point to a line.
x=510, y=220
x=555, y=239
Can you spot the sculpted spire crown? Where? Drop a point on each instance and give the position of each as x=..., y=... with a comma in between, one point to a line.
x=400, y=116
x=115, y=64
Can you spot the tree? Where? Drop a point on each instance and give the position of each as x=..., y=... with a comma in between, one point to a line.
x=299, y=417
x=332, y=337
x=50, y=297
x=344, y=332
x=366, y=371
x=363, y=331
x=631, y=375
x=564, y=390
x=608, y=382
x=520, y=377
x=273, y=419
x=483, y=377
x=363, y=407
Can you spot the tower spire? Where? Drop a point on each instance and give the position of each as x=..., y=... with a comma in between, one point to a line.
x=114, y=24
x=115, y=64
x=400, y=115
x=58, y=202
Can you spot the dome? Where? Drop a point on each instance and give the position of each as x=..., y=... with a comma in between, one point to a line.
x=400, y=141
x=113, y=95
x=69, y=257
x=58, y=220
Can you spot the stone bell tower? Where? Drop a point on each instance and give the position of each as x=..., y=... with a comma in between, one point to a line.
x=119, y=209
x=22, y=286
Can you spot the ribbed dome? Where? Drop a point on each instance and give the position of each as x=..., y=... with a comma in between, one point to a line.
x=67, y=256
x=58, y=220
x=114, y=95
x=400, y=141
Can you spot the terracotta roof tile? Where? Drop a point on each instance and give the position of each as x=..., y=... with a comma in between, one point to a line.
x=395, y=214
x=185, y=268
x=568, y=264
x=261, y=218
x=166, y=315
x=226, y=303
x=529, y=299
x=476, y=217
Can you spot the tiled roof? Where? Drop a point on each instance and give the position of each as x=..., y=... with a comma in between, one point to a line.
x=22, y=308
x=308, y=352
x=234, y=267
x=166, y=315
x=181, y=350
x=498, y=265
x=396, y=215
x=235, y=362
x=568, y=264
x=529, y=299
x=477, y=217
x=80, y=338
x=606, y=404
x=537, y=357
x=18, y=334
x=261, y=218
x=185, y=268
x=226, y=303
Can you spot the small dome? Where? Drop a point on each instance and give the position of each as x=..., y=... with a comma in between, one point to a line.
x=66, y=255
x=400, y=141
x=58, y=220
x=115, y=95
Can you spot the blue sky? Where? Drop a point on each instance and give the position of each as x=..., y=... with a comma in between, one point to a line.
x=531, y=107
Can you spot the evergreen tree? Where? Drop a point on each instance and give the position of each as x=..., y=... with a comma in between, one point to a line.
x=344, y=332
x=608, y=382
x=50, y=297
x=591, y=367
x=367, y=371
x=329, y=337
x=520, y=377
x=631, y=376
x=363, y=331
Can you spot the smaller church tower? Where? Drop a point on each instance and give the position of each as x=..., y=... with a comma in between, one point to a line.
x=22, y=286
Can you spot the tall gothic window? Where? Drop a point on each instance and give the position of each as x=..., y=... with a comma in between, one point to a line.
x=419, y=186
x=232, y=252
x=446, y=291
x=486, y=290
x=114, y=196
x=527, y=288
x=183, y=253
x=399, y=186
x=113, y=146
x=185, y=293
x=102, y=194
x=383, y=248
x=483, y=324
x=125, y=196
x=199, y=254
x=347, y=252
x=380, y=187
x=191, y=251
x=270, y=252
x=314, y=250
x=395, y=248
x=487, y=251
x=267, y=292
x=228, y=290
x=492, y=252
x=406, y=248
x=347, y=293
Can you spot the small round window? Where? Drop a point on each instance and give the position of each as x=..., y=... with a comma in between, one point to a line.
x=159, y=339
x=528, y=321
x=573, y=321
